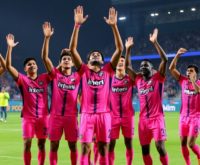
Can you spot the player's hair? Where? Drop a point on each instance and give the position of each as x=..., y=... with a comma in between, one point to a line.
x=147, y=60
x=122, y=56
x=89, y=54
x=64, y=52
x=195, y=67
x=29, y=59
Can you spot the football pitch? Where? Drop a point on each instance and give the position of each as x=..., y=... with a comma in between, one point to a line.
x=11, y=144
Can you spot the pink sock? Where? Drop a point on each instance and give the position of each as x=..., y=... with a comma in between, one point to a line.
x=84, y=160
x=147, y=160
x=27, y=158
x=103, y=160
x=129, y=156
x=96, y=153
x=196, y=150
x=41, y=157
x=186, y=154
x=53, y=157
x=111, y=157
x=164, y=160
x=74, y=157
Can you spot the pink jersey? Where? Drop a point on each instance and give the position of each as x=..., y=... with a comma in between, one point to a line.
x=34, y=95
x=150, y=95
x=95, y=89
x=190, y=100
x=121, y=96
x=64, y=93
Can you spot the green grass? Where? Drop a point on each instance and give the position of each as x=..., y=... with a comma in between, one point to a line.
x=11, y=144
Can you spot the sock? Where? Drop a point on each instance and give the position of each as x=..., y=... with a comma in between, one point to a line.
x=129, y=156
x=147, y=160
x=74, y=157
x=84, y=160
x=196, y=150
x=103, y=160
x=186, y=154
x=164, y=160
x=27, y=158
x=41, y=157
x=53, y=157
x=111, y=158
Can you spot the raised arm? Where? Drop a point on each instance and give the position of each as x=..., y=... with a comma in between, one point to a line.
x=79, y=19
x=172, y=68
x=48, y=32
x=112, y=21
x=3, y=64
x=11, y=43
x=129, y=44
x=193, y=79
x=163, y=64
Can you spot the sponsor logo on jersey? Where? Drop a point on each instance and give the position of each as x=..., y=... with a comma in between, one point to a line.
x=35, y=90
x=190, y=92
x=95, y=82
x=66, y=86
x=119, y=90
x=146, y=91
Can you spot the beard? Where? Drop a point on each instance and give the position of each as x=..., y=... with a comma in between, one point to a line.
x=95, y=63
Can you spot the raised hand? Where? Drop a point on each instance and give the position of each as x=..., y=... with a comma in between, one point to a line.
x=129, y=42
x=11, y=40
x=181, y=51
x=79, y=15
x=112, y=17
x=47, y=29
x=153, y=37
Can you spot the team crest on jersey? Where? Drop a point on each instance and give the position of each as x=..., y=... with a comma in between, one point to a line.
x=72, y=79
x=125, y=81
x=100, y=73
x=149, y=82
x=40, y=83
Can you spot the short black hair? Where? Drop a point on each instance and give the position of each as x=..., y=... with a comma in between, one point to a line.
x=147, y=60
x=195, y=67
x=122, y=56
x=29, y=59
x=89, y=54
x=64, y=52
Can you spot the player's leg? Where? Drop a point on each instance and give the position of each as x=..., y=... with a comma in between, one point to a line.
x=53, y=155
x=111, y=156
x=128, y=132
x=27, y=151
x=145, y=140
x=5, y=113
x=160, y=146
x=55, y=134
x=41, y=152
x=115, y=131
x=159, y=135
x=103, y=127
x=184, y=132
x=41, y=133
x=193, y=134
x=71, y=135
x=28, y=128
x=146, y=154
x=86, y=135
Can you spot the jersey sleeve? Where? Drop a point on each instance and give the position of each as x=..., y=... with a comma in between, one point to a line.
x=82, y=69
x=19, y=80
x=53, y=72
x=159, y=77
x=181, y=79
x=108, y=68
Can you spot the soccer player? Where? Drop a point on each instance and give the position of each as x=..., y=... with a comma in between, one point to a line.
x=122, y=111
x=95, y=114
x=63, y=111
x=150, y=84
x=33, y=88
x=190, y=111
x=4, y=99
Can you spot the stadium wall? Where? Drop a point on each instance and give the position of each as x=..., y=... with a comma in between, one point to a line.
x=169, y=105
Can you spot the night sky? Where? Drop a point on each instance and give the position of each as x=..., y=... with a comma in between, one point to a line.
x=24, y=19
